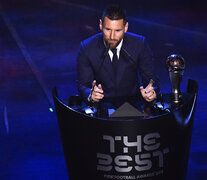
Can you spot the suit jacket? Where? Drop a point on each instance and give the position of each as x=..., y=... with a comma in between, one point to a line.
x=135, y=66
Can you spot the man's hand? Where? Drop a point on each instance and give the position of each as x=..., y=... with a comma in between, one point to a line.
x=96, y=92
x=148, y=93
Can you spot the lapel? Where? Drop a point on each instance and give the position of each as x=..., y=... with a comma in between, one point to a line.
x=122, y=61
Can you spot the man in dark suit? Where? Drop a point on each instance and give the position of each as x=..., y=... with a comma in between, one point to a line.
x=111, y=63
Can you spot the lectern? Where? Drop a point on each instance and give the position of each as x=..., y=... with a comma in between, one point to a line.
x=151, y=147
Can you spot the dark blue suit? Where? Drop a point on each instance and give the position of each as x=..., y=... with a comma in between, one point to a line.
x=94, y=63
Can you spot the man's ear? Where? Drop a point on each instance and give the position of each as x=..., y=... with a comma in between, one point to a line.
x=100, y=24
x=126, y=27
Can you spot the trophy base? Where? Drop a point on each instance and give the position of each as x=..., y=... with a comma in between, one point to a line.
x=176, y=98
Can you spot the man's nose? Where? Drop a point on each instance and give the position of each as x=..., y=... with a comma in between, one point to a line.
x=112, y=35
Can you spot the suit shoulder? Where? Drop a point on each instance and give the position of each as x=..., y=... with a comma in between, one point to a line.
x=91, y=41
x=134, y=37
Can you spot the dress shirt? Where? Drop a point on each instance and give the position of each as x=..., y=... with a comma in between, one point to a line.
x=118, y=50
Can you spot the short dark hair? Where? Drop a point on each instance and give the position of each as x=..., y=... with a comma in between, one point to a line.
x=114, y=12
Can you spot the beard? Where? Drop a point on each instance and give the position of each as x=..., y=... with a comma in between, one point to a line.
x=112, y=43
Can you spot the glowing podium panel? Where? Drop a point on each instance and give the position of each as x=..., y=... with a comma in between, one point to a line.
x=155, y=147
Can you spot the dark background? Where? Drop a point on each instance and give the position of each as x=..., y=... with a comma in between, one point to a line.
x=39, y=41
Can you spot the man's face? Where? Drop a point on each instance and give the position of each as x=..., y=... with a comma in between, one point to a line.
x=113, y=31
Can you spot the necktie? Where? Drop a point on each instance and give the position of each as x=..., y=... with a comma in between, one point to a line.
x=114, y=59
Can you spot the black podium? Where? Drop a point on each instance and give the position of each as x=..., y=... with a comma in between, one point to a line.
x=154, y=147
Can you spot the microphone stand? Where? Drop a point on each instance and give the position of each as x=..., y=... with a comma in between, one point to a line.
x=134, y=62
x=96, y=106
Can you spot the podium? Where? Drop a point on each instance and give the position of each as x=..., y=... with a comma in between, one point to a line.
x=154, y=147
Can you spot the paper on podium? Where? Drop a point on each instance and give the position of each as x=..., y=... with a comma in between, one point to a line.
x=126, y=110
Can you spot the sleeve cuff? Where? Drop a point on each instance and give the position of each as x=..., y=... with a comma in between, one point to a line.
x=90, y=99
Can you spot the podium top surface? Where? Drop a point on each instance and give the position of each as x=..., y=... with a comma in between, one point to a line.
x=123, y=109
x=116, y=108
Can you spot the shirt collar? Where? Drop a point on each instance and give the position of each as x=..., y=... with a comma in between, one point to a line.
x=119, y=46
x=118, y=50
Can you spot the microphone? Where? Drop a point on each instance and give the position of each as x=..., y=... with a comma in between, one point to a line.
x=105, y=53
x=124, y=51
x=133, y=61
x=128, y=56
